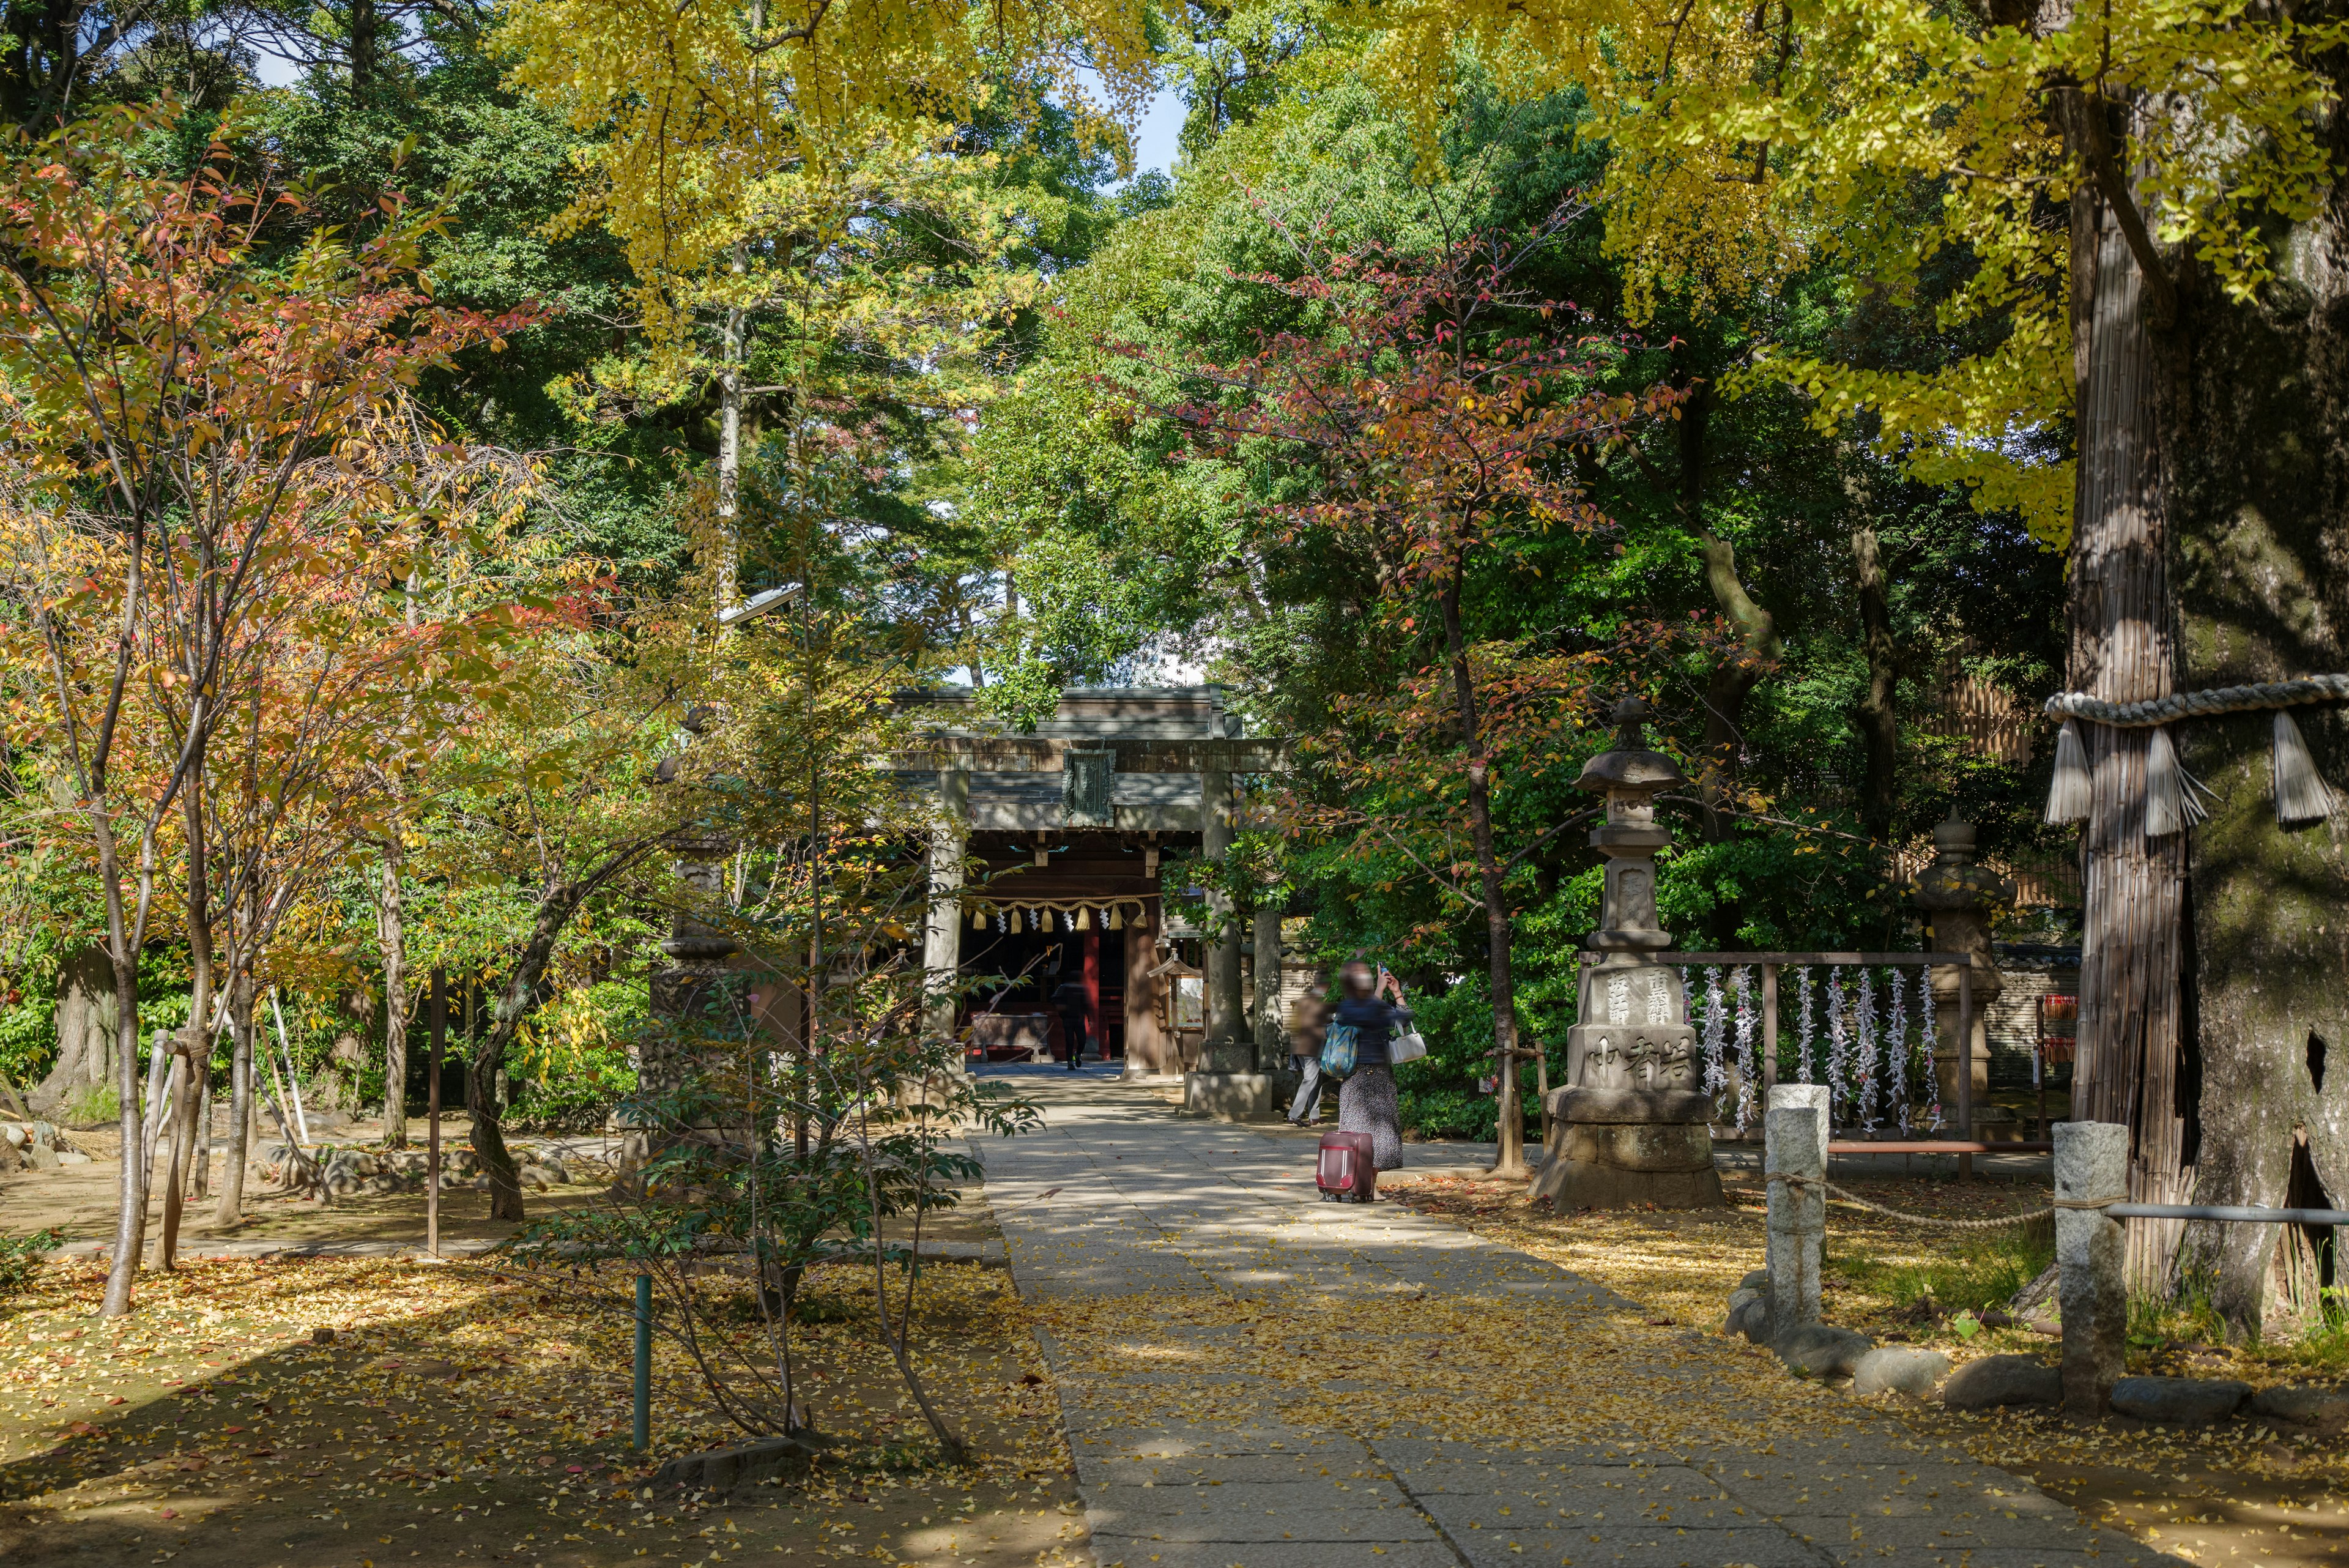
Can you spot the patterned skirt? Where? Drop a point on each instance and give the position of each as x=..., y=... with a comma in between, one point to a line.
x=1366, y=1104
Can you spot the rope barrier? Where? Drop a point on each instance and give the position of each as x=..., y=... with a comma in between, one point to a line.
x=1855, y=1199
x=2189, y=704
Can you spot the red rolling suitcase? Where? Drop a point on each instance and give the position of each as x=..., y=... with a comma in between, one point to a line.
x=1343, y=1168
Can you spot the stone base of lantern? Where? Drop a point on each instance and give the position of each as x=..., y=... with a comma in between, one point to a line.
x=1620, y=1148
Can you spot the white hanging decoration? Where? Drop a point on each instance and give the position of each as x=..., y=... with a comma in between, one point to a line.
x=1741, y=986
x=2301, y=793
x=1871, y=1056
x=1838, y=1042
x=1898, y=1045
x=2069, y=795
x=2173, y=797
x=1716, y=1075
x=1931, y=1036
x=1806, y=1032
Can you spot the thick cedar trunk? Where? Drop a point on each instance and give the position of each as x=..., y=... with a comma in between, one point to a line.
x=2257, y=420
x=1510, y=1163
x=1879, y=715
x=2122, y=651
x=391, y=933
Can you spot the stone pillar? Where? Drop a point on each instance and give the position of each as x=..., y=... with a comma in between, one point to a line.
x=1959, y=898
x=1228, y=1048
x=2091, y=1258
x=1629, y=1127
x=694, y=996
x=942, y=938
x=1269, y=1055
x=1794, y=1134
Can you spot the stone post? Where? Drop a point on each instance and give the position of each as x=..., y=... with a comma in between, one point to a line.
x=942, y=938
x=1794, y=1134
x=2091, y=1258
x=1228, y=1048
x=1269, y=1057
x=1959, y=897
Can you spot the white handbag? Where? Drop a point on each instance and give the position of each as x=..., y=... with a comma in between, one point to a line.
x=1407, y=1046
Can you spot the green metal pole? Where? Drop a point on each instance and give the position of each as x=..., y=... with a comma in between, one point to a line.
x=644, y=1433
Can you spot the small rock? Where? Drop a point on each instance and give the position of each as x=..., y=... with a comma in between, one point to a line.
x=16, y=1134
x=1889, y=1371
x=1754, y=1280
x=72, y=1157
x=2003, y=1380
x=2195, y=1400
x=1820, y=1350
x=322, y=1335
x=41, y=1158
x=1749, y=1314
x=722, y=1469
x=2302, y=1405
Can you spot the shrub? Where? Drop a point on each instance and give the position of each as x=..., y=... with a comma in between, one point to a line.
x=20, y=1261
x=580, y=1096
x=92, y=1104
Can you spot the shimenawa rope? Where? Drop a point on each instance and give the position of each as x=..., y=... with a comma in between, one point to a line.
x=2174, y=798
x=2199, y=704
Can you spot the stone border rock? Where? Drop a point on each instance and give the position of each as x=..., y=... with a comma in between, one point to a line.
x=717, y=1471
x=1993, y=1382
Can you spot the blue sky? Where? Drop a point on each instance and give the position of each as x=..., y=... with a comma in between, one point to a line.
x=1153, y=139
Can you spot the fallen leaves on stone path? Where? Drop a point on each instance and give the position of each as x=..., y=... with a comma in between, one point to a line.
x=2252, y=1498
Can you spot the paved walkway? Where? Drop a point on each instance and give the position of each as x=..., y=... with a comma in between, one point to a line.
x=1118, y=1196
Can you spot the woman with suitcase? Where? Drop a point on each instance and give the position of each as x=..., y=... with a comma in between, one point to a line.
x=1366, y=1104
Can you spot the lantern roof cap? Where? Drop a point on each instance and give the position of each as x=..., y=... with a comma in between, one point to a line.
x=1630, y=765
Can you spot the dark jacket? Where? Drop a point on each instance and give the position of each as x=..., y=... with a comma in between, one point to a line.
x=1375, y=1021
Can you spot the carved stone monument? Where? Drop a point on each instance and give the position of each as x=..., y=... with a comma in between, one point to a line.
x=1631, y=1125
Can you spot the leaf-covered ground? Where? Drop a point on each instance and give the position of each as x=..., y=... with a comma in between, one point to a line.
x=463, y=1414
x=2234, y=1493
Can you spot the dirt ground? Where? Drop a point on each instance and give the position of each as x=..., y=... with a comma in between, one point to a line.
x=463, y=1412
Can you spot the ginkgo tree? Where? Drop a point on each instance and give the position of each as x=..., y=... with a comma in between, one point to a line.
x=2124, y=218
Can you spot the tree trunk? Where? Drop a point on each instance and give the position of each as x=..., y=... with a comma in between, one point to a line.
x=194, y=1047
x=558, y=901
x=122, y=951
x=85, y=1022
x=2257, y=426
x=231, y=1207
x=1731, y=679
x=1879, y=715
x=1509, y=1164
x=391, y=934
x=2128, y=1067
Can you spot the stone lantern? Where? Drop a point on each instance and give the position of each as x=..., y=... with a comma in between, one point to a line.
x=1959, y=897
x=1632, y=1125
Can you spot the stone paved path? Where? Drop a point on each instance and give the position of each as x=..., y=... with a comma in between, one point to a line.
x=1118, y=1196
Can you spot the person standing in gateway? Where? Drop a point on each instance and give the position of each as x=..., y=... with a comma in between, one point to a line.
x=1366, y=1103
x=1069, y=999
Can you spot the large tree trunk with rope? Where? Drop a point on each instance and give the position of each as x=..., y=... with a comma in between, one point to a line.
x=2257, y=474
x=2133, y=883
